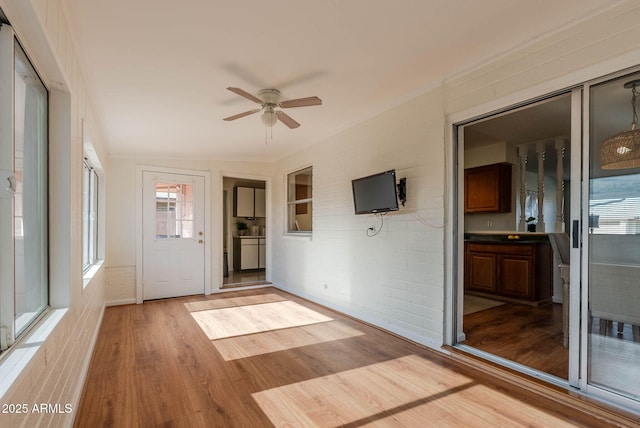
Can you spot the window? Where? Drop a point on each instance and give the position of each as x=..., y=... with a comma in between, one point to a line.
x=299, y=201
x=89, y=216
x=24, y=274
x=614, y=206
x=174, y=210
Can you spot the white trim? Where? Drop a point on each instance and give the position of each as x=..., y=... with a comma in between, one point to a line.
x=90, y=273
x=298, y=235
x=285, y=219
x=454, y=236
x=563, y=83
x=7, y=259
x=120, y=302
x=140, y=169
x=612, y=399
x=577, y=125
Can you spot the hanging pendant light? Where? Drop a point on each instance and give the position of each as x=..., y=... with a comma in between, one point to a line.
x=623, y=150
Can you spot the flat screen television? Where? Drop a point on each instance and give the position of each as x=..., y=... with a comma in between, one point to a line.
x=376, y=193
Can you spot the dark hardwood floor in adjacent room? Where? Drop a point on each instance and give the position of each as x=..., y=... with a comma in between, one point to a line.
x=262, y=358
x=528, y=335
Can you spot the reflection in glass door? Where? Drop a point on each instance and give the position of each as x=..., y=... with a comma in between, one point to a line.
x=613, y=245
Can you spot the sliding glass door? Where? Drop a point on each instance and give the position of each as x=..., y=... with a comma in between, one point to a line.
x=611, y=224
x=584, y=177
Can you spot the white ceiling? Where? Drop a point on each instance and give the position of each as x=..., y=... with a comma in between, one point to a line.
x=157, y=70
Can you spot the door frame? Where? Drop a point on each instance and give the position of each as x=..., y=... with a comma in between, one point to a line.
x=454, y=323
x=219, y=240
x=578, y=84
x=588, y=388
x=140, y=169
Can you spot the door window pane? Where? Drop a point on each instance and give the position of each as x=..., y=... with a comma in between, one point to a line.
x=30, y=201
x=614, y=248
x=174, y=210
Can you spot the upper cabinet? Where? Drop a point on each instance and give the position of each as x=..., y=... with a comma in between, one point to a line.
x=260, y=203
x=249, y=202
x=487, y=189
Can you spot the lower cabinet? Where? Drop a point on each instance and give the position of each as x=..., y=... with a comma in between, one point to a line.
x=519, y=271
x=249, y=253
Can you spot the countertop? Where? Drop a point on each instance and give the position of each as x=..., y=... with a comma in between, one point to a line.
x=507, y=237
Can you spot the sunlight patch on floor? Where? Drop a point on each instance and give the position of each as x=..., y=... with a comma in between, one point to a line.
x=407, y=391
x=256, y=318
x=231, y=302
x=280, y=340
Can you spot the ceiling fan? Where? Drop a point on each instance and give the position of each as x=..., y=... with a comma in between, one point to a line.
x=269, y=99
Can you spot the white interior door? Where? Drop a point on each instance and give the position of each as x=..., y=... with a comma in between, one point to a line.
x=173, y=221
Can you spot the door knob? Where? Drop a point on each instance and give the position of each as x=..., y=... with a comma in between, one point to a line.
x=200, y=241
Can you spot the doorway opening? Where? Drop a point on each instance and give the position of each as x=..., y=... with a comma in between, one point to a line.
x=516, y=213
x=244, y=230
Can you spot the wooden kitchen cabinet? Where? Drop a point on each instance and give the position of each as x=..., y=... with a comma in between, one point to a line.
x=481, y=269
x=518, y=271
x=517, y=278
x=487, y=189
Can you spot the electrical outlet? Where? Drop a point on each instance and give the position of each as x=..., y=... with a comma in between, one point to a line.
x=489, y=223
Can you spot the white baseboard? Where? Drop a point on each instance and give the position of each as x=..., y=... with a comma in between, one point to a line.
x=382, y=324
x=131, y=301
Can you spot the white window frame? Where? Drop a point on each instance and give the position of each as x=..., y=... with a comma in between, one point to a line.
x=90, y=217
x=17, y=319
x=93, y=208
x=292, y=202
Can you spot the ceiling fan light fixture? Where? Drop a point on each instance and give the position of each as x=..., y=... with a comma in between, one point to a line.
x=269, y=99
x=622, y=150
x=269, y=117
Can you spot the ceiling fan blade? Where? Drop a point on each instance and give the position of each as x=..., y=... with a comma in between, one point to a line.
x=245, y=94
x=287, y=120
x=239, y=115
x=301, y=102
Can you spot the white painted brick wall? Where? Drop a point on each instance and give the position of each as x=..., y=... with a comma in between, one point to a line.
x=385, y=277
x=56, y=372
x=396, y=279
x=120, y=285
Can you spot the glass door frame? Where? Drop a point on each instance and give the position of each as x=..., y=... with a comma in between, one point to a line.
x=576, y=190
x=578, y=379
x=584, y=381
x=456, y=334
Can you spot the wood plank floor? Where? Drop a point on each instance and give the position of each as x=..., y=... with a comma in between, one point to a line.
x=262, y=358
x=528, y=335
